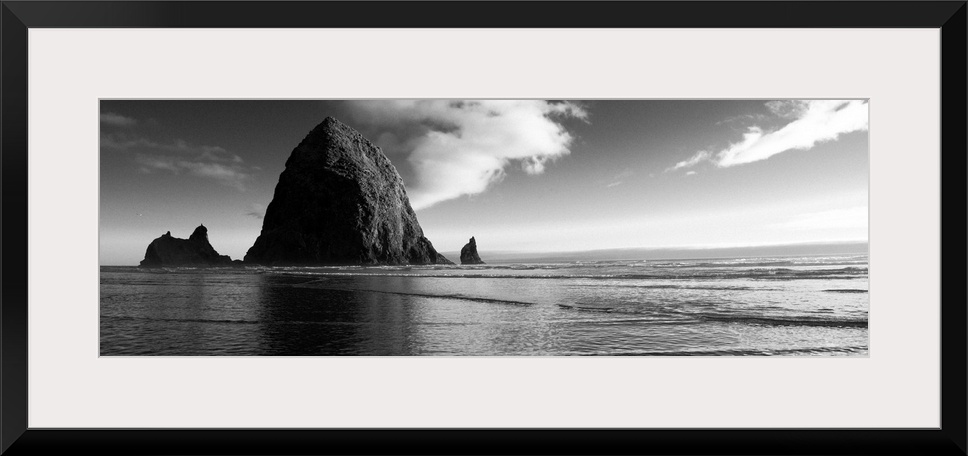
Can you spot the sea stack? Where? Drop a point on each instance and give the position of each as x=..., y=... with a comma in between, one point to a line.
x=468, y=254
x=340, y=201
x=194, y=251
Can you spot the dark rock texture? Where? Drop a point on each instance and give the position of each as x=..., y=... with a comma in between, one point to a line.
x=194, y=251
x=468, y=254
x=340, y=202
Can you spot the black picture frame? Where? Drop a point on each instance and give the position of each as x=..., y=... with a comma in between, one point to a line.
x=18, y=16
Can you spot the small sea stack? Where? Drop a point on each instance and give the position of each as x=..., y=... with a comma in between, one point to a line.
x=468, y=254
x=168, y=250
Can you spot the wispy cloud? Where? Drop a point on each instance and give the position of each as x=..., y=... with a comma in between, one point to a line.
x=700, y=156
x=619, y=178
x=787, y=109
x=690, y=173
x=462, y=147
x=813, y=122
x=180, y=157
x=742, y=119
x=257, y=211
x=624, y=174
x=117, y=120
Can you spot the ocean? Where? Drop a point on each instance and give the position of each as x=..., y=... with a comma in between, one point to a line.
x=781, y=306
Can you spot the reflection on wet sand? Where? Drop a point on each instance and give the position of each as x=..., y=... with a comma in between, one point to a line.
x=332, y=313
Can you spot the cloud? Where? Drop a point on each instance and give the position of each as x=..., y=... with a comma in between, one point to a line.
x=155, y=163
x=624, y=174
x=232, y=175
x=181, y=157
x=700, y=156
x=617, y=180
x=744, y=118
x=814, y=121
x=690, y=173
x=786, y=109
x=117, y=120
x=458, y=148
x=257, y=211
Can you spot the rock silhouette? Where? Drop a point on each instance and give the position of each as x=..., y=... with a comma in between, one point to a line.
x=468, y=254
x=340, y=202
x=194, y=251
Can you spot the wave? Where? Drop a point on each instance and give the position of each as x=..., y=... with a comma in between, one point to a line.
x=670, y=315
x=772, y=321
x=312, y=285
x=857, y=349
x=180, y=320
x=846, y=290
x=685, y=287
x=778, y=271
x=763, y=274
x=185, y=270
x=733, y=264
x=273, y=322
x=589, y=308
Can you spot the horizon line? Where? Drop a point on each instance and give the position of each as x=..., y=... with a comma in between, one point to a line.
x=694, y=247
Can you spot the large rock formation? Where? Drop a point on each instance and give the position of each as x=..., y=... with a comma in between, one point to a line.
x=468, y=254
x=194, y=251
x=340, y=202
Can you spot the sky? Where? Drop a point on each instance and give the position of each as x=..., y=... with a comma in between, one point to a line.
x=519, y=175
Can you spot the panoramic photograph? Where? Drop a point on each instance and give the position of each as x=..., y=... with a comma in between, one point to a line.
x=482, y=227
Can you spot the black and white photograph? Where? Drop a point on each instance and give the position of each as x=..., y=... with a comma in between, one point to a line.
x=447, y=228
x=484, y=227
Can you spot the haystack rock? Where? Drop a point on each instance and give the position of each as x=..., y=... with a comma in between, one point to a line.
x=340, y=202
x=468, y=254
x=194, y=251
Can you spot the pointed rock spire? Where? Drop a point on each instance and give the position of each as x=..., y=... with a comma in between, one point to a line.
x=468, y=254
x=200, y=234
